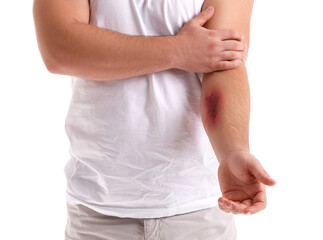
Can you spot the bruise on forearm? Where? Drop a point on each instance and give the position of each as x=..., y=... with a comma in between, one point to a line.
x=211, y=105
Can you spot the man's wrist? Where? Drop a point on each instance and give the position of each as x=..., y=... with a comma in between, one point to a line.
x=226, y=154
x=174, y=51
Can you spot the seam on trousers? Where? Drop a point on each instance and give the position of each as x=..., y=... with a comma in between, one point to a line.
x=152, y=229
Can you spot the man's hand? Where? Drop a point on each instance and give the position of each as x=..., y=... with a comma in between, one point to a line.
x=242, y=180
x=205, y=50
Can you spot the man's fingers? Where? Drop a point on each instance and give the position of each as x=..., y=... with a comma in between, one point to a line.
x=224, y=209
x=230, y=34
x=234, y=206
x=259, y=203
x=226, y=65
x=204, y=16
x=232, y=55
x=259, y=172
x=233, y=45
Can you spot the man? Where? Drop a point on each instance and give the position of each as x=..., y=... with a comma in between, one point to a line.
x=144, y=123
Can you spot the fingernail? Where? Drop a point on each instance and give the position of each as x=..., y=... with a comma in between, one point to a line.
x=229, y=207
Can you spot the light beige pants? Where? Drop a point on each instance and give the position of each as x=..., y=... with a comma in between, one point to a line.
x=208, y=224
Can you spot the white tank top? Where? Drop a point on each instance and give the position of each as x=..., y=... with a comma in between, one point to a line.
x=138, y=146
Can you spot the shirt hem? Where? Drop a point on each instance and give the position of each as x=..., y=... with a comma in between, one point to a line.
x=149, y=212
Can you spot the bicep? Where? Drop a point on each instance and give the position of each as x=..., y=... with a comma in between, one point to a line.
x=231, y=14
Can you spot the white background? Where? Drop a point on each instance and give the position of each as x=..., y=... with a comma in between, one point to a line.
x=286, y=133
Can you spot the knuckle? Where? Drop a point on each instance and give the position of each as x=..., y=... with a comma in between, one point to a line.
x=232, y=54
x=218, y=56
x=210, y=64
x=222, y=65
x=213, y=34
x=231, y=33
x=243, y=46
x=236, y=45
x=221, y=207
x=198, y=18
x=227, y=65
x=215, y=45
x=202, y=14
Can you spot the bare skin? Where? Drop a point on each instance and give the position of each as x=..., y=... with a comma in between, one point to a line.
x=69, y=45
x=225, y=111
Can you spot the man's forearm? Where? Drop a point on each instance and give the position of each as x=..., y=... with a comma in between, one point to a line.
x=69, y=45
x=94, y=53
x=225, y=100
x=225, y=110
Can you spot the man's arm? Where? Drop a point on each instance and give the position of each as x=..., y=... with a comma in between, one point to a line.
x=225, y=111
x=225, y=101
x=69, y=45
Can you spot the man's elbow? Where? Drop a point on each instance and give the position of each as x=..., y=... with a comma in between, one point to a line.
x=54, y=58
x=51, y=63
x=52, y=49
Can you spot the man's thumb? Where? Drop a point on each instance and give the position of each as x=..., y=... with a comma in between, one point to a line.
x=204, y=16
x=259, y=172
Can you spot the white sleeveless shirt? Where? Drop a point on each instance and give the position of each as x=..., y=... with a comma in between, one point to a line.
x=138, y=146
